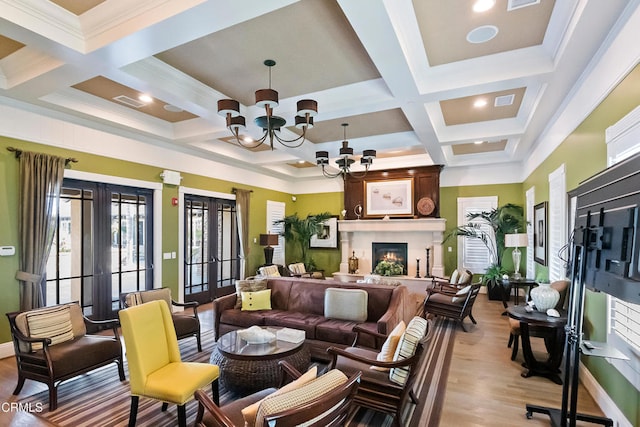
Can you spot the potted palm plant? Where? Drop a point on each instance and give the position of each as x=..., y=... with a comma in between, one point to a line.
x=503, y=220
x=300, y=230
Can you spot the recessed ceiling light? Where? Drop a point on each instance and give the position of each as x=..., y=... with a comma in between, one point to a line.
x=483, y=5
x=478, y=142
x=479, y=103
x=145, y=98
x=482, y=34
x=300, y=162
x=173, y=108
x=247, y=139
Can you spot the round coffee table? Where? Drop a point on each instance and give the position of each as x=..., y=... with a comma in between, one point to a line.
x=247, y=368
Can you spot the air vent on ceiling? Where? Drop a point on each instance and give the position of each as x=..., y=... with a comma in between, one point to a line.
x=124, y=99
x=504, y=100
x=517, y=4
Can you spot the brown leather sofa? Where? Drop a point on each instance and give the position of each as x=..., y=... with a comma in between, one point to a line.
x=299, y=304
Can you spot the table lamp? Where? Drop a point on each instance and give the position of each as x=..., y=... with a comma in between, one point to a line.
x=267, y=240
x=516, y=241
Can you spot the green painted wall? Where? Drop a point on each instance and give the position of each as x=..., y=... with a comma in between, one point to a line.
x=584, y=153
x=506, y=193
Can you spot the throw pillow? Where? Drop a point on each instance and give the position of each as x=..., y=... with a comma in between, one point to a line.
x=54, y=323
x=269, y=271
x=248, y=285
x=461, y=295
x=249, y=413
x=346, y=304
x=416, y=330
x=388, y=349
x=132, y=299
x=260, y=300
x=307, y=393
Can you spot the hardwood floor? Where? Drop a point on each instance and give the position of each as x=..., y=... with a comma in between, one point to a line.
x=484, y=386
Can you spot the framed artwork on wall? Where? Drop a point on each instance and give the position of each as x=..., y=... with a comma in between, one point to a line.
x=328, y=236
x=540, y=233
x=392, y=197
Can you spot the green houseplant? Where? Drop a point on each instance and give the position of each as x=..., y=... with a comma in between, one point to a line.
x=300, y=230
x=503, y=220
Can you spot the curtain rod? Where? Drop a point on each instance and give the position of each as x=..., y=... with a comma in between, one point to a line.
x=19, y=152
x=234, y=189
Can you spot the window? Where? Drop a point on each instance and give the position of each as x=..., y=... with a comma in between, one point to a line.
x=211, y=247
x=623, y=331
x=275, y=212
x=472, y=253
x=556, y=236
x=103, y=246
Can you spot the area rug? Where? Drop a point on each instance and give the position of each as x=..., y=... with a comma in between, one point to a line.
x=100, y=399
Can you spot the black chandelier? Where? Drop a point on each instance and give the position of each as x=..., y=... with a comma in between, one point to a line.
x=270, y=124
x=345, y=161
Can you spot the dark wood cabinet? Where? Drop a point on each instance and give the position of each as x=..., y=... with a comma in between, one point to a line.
x=426, y=191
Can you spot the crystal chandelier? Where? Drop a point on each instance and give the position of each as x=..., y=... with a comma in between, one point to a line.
x=270, y=123
x=345, y=161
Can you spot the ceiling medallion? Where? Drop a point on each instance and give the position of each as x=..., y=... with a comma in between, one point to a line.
x=345, y=161
x=270, y=123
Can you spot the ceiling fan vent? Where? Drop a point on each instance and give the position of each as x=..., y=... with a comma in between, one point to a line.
x=517, y=4
x=504, y=100
x=124, y=99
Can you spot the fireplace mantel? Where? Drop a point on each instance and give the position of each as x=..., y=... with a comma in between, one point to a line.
x=420, y=234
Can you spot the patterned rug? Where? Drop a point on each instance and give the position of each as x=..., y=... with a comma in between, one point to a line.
x=100, y=399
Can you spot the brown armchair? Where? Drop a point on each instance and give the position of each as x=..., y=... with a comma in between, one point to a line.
x=388, y=386
x=327, y=401
x=452, y=302
x=52, y=357
x=187, y=324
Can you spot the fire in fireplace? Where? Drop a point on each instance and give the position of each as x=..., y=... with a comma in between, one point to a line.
x=396, y=252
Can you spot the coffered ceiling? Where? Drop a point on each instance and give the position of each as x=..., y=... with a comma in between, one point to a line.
x=422, y=82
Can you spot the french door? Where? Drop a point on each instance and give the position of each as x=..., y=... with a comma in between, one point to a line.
x=212, y=262
x=103, y=246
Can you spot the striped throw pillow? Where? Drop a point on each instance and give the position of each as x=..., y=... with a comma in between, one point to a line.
x=54, y=323
x=300, y=396
x=416, y=330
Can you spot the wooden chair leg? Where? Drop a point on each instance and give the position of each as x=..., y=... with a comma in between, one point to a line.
x=165, y=405
x=215, y=392
x=514, y=351
x=53, y=397
x=199, y=342
x=19, y=386
x=120, y=364
x=472, y=319
x=133, y=412
x=182, y=416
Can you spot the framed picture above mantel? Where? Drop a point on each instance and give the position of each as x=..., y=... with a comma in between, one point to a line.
x=392, y=197
x=396, y=193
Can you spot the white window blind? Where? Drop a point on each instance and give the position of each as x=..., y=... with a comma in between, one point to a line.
x=557, y=223
x=473, y=253
x=275, y=212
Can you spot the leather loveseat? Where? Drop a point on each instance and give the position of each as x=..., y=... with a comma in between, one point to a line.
x=300, y=304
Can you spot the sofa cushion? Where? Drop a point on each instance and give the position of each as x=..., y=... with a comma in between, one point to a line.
x=306, y=322
x=416, y=330
x=81, y=352
x=249, y=413
x=390, y=345
x=54, y=323
x=346, y=304
x=248, y=285
x=259, y=300
x=243, y=319
x=300, y=396
x=184, y=324
x=336, y=331
x=307, y=298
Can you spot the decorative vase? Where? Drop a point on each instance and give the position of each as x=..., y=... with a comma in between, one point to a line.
x=544, y=296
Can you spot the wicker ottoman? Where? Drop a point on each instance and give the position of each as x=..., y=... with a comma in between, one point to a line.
x=247, y=368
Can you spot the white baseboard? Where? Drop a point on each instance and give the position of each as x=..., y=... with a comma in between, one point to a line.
x=6, y=350
x=603, y=400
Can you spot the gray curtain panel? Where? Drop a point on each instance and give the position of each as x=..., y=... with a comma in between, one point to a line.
x=242, y=215
x=40, y=178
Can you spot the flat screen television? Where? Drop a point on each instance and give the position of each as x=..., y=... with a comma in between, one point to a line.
x=607, y=226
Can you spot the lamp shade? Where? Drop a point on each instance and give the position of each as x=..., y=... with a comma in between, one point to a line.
x=519, y=240
x=268, y=239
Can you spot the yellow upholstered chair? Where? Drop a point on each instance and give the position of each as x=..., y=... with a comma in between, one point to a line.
x=155, y=367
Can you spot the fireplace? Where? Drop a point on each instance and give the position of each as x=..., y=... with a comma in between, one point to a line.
x=396, y=252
